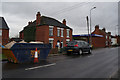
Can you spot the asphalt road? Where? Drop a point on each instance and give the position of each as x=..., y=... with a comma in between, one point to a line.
x=102, y=63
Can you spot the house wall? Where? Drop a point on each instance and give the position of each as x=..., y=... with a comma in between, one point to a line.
x=21, y=35
x=108, y=40
x=42, y=34
x=5, y=36
x=99, y=41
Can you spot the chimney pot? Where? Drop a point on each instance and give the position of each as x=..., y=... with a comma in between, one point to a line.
x=38, y=16
x=96, y=27
x=104, y=29
x=64, y=21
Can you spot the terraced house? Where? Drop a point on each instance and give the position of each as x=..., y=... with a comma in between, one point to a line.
x=104, y=41
x=47, y=30
x=4, y=31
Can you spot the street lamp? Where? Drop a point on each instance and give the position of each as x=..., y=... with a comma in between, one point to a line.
x=90, y=25
x=116, y=28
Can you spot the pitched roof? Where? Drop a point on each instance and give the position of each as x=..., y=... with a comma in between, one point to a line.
x=48, y=21
x=52, y=22
x=3, y=24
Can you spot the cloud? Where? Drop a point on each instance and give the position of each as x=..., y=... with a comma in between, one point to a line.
x=17, y=14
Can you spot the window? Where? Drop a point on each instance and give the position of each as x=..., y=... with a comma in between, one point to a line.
x=67, y=40
x=58, y=32
x=109, y=37
x=61, y=32
x=51, y=42
x=106, y=43
x=50, y=30
x=0, y=32
x=67, y=32
x=106, y=36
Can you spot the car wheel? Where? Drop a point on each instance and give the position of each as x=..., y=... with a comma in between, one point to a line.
x=80, y=52
x=90, y=51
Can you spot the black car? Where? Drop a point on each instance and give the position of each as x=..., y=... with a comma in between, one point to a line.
x=78, y=47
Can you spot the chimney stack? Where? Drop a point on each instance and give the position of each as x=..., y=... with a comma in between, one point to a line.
x=104, y=29
x=64, y=21
x=38, y=16
x=109, y=33
x=97, y=27
x=29, y=23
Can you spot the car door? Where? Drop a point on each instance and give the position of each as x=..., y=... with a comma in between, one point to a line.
x=86, y=46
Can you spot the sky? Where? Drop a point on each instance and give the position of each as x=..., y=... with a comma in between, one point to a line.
x=18, y=14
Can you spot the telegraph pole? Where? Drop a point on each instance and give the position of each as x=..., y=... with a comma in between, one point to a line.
x=88, y=27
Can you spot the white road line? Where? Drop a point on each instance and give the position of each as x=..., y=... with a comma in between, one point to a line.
x=40, y=66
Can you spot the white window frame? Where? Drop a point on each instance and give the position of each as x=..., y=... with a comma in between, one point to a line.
x=51, y=39
x=0, y=32
x=109, y=37
x=106, y=37
x=62, y=32
x=106, y=43
x=51, y=28
x=58, y=33
x=68, y=33
x=67, y=39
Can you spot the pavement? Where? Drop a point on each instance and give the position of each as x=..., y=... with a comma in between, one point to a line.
x=102, y=63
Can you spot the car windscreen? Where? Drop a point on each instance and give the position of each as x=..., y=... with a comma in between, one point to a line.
x=72, y=43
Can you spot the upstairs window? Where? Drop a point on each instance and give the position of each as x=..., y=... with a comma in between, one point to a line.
x=58, y=32
x=50, y=30
x=68, y=33
x=62, y=32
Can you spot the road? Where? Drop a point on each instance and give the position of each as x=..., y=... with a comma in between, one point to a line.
x=102, y=63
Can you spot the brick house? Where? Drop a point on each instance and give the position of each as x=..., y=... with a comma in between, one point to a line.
x=100, y=38
x=4, y=31
x=47, y=30
x=21, y=34
x=118, y=39
x=114, y=40
x=104, y=41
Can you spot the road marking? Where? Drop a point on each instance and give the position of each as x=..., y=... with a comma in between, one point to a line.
x=40, y=66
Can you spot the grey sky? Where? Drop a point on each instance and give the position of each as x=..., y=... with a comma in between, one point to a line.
x=17, y=14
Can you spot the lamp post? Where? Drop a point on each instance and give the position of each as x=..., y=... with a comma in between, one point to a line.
x=116, y=29
x=90, y=25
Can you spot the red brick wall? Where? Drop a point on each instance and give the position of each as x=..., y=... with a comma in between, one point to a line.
x=0, y=39
x=99, y=41
x=21, y=35
x=56, y=38
x=42, y=34
x=5, y=36
x=70, y=35
x=118, y=39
